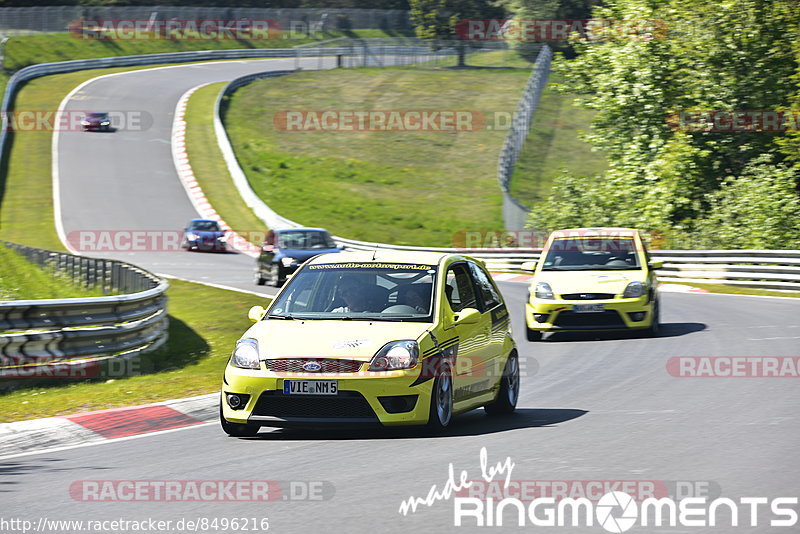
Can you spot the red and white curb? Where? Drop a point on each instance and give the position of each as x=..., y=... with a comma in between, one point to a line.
x=187, y=177
x=511, y=277
x=69, y=431
x=680, y=288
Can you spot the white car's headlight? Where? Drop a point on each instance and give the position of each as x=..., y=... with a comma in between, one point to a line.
x=192, y=237
x=288, y=262
x=395, y=355
x=634, y=289
x=105, y=123
x=544, y=291
x=245, y=355
x=85, y=123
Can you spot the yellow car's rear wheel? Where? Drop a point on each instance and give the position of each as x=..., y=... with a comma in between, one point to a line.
x=508, y=394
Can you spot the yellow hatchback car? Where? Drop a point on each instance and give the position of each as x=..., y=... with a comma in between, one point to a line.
x=382, y=337
x=592, y=279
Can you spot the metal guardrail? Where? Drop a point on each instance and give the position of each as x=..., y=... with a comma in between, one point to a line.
x=58, y=18
x=371, y=52
x=515, y=213
x=38, y=335
x=761, y=269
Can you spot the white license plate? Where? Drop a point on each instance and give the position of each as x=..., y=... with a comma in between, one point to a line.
x=588, y=308
x=310, y=387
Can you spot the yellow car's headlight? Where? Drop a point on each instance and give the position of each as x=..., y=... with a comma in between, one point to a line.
x=544, y=291
x=395, y=355
x=245, y=355
x=634, y=290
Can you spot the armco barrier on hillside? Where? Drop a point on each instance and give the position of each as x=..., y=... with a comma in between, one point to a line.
x=40, y=336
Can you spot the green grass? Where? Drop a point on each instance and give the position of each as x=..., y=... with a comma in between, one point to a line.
x=3, y=81
x=205, y=322
x=399, y=187
x=553, y=145
x=208, y=165
x=23, y=280
x=27, y=50
x=735, y=290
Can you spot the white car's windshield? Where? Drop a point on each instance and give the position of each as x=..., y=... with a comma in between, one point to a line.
x=592, y=254
x=358, y=291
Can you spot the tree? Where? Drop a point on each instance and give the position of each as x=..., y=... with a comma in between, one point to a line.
x=436, y=19
x=729, y=55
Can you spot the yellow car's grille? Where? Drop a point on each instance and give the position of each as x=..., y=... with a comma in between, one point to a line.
x=313, y=365
x=587, y=296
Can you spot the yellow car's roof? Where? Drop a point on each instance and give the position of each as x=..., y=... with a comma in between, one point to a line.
x=393, y=256
x=600, y=229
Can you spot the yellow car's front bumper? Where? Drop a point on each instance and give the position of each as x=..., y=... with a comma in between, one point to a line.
x=387, y=398
x=549, y=315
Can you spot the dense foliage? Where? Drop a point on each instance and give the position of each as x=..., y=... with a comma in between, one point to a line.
x=342, y=4
x=700, y=188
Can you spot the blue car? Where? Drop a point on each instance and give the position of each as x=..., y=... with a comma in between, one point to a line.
x=204, y=234
x=284, y=251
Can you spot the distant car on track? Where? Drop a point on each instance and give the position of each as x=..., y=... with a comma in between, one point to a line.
x=284, y=251
x=384, y=338
x=593, y=279
x=205, y=235
x=96, y=121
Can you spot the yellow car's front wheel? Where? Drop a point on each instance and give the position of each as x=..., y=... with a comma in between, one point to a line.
x=441, y=411
x=236, y=430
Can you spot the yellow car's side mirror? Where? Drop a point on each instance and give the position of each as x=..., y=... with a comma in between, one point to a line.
x=656, y=265
x=528, y=266
x=467, y=316
x=256, y=313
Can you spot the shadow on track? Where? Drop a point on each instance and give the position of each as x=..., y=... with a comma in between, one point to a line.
x=472, y=423
x=9, y=469
x=667, y=330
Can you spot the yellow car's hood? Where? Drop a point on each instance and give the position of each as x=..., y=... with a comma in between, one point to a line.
x=352, y=340
x=589, y=281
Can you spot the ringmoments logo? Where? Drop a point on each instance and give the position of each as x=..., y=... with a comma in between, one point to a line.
x=615, y=511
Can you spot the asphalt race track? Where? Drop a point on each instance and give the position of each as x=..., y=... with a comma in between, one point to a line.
x=593, y=407
x=126, y=180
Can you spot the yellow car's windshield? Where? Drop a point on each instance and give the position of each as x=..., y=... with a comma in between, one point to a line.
x=358, y=291
x=592, y=254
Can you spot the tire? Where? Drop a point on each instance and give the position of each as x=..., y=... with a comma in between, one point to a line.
x=260, y=280
x=275, y=275
x=654, y=330
x=237, y=430
x=441, y=410
x=533, y=335
x=507, y=396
